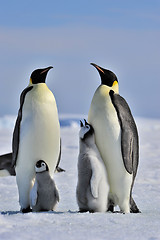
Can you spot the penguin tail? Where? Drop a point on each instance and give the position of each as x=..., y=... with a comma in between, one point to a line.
x=133, y=206
x=58, y=169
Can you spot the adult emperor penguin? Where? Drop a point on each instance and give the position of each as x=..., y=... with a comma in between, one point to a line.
x=6, y=168
x=36, y=134
x=44, y=194
x=92, y=187
x=117, y=140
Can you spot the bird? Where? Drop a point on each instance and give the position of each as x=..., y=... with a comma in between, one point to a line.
x=117, y=139
x=36, y=134
x=6, y=168
x=44, y=194
x=92, y=187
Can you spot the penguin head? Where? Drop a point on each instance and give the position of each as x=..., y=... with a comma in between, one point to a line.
x=41, y=166
x=86, y=130
x=39, y=75
x=108, y=78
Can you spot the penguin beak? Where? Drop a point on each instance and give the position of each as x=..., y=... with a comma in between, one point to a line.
x=108, y=78
x=45, y=70
x=85, y=122
x=81, y=123
x=97, y=67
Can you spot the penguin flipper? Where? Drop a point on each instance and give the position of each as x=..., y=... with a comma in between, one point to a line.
x=56, y=194
x=34, y=194
x=95, y=179
x=59, y=169
x=16, y=132
x=129, y=134
x=15, y=141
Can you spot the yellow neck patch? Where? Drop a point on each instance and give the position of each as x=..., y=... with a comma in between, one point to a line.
x=30, y=81
x=115, y=87
x=114, y=83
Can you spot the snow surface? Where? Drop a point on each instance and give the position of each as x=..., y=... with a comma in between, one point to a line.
x=66, y=222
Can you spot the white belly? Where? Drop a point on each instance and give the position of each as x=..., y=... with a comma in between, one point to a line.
x=103, y=117
x=39, y=130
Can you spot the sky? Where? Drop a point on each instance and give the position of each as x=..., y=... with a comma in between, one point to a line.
x=122, y=36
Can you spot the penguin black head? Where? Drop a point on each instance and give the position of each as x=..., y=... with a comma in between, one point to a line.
x=107, y=77
x=39, y=75
x=86, y=130
x=41, y=166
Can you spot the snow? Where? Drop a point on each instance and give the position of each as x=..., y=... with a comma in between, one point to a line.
x=66, y=222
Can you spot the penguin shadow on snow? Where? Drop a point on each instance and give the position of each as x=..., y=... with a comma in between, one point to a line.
x=10, y=212
x=53, y=212
x=48, y=212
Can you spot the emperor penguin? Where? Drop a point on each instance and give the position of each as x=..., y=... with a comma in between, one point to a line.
x=44, y=194
x=36, y=134
x=92, y=187
x=117, y=140
x=6, y=168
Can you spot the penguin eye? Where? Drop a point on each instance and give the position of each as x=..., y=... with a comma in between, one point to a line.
x=43, y=164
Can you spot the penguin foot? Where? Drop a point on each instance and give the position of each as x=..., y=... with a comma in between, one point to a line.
x=133, y=207
x=110, y=208
x=91, y=211
x=135, y=210
x=81, y=210
x=26, y=210
x=121, y=212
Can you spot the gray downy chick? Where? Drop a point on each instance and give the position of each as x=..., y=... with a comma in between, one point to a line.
x=44, y=194
x=92, y=188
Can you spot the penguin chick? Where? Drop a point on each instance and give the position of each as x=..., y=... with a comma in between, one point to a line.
x=44, y=194
x=92, y=188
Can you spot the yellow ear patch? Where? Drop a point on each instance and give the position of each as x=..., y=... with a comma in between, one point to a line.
x=114, y=83
x=30, y=80
x=115, y=87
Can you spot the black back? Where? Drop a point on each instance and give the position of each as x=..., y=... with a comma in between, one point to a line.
x=16, y=133
x=129, y=133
